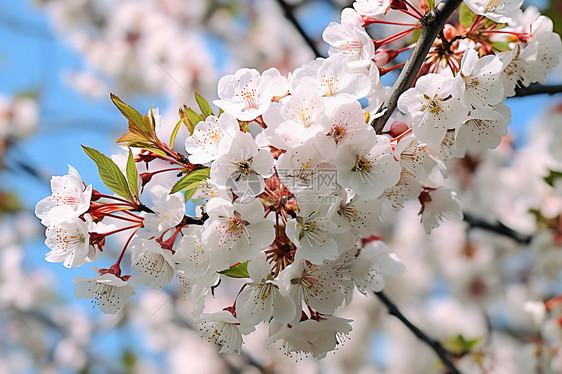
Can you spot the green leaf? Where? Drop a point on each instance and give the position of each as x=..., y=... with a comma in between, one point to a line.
x=175, y=133
x=191, y=180
x=466, y=16
x=188, y=194
x=239, y=270
x=129, y=360
x=430, y=4
x=551, y=178
x=109, y=172
x=459, y=345
x=131, y=114
x=132, y=174
x=204, y=105
x=193, y=117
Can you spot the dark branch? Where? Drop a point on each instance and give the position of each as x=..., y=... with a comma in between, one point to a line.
x=538, y=89
x=498, y=228
x=433, y=344
x=432, y=24
x=288, y=9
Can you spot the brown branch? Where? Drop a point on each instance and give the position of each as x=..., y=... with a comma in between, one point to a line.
x=496, y=227
x=432, y=23
x=288, y=9
x=432, y=343
x=537, y=89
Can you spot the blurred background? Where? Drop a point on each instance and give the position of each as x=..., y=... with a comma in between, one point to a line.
x=59, y=60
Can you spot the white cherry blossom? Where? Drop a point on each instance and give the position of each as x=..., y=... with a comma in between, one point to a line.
x=238, y=231
x=69, y=199
x=438, y=205
x=433, y=107
x=69, y=242
x=350, y=40
x=500, y=11
x=478, y=81
x=367, y=167
x=247, y=94
x=261, y=299
x=222, y=329
x=315, y=337
x=153, y=264
x=483, y=129
x=110, y=292
x=313, y=229
x=203, y=144
x=372, y=8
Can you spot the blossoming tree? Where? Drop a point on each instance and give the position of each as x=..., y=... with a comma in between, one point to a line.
x=296, y=180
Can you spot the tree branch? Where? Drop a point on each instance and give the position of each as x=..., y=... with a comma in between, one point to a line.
x=432, y=23
x=433, y=344
x=537, y=89
x=289, y=14
x=498, y=228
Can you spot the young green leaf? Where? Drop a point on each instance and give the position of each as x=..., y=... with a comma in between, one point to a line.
x=191, y=180
x=204, y=105
x=466, y=16
x=239, y=270
x=109, y=172
x=551, y=178
x=132, y=175
x=430, y=4
x=188, y=194
x=193, y=117
x=137, y=119
x=175, y=133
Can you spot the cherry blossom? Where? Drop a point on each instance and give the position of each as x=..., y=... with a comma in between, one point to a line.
x=247, y=94
x=110, y=292
x=69, y=199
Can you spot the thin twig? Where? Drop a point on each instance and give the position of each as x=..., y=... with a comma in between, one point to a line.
x=432, y=24
x=498, y=228
x=288, y=9
x=537, y=89
x=432, y=343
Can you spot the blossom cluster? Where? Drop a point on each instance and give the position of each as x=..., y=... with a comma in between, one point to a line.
x=293, y=184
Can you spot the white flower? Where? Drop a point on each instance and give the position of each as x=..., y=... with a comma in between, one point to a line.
x=344, y=124
x=330, y=77
x=315, y=337
x=433, y=106
x=372, y=8
x=313, y=230
x=350, y=40
x=543, y=51
x=169, y=210
x=153, y=264
x=483, y=129
x=261, y=300
x=68, y=201
x=500, y=11
x=515, y=72
x=241, y=165
x=478, y=81
x=360, y=215
x=317, y=285
x=437, y=205
x=303, y=169
x=108, y=291
x=414, y=157
x=373, y=262
x=368, y=167
x=196, y=261
x=69, y=241
x=222, y=329
x=294, y=120
x=247, y=95
x=203, y=144
x=238, y=231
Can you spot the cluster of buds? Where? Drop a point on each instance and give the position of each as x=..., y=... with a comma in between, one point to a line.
x=292, y=183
